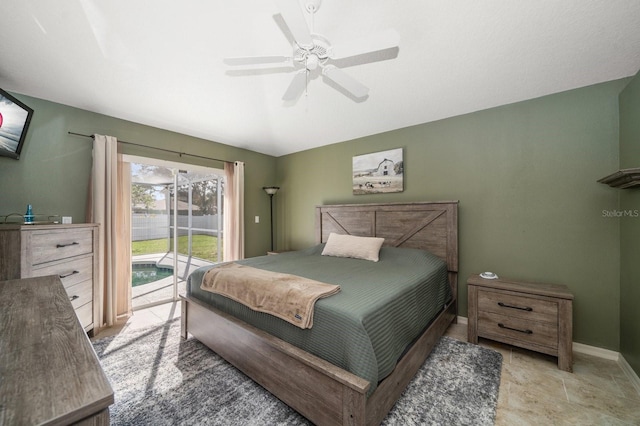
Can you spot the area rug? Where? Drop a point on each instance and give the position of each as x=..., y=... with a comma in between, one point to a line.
x=160, y=379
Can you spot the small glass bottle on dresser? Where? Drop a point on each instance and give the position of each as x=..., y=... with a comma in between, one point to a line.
x=28, y=216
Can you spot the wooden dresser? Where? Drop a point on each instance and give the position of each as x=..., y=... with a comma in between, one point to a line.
x=69, y=251
x=49, y=372
x=532, y=316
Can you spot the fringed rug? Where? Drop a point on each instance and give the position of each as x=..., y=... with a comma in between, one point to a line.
x=160, y=379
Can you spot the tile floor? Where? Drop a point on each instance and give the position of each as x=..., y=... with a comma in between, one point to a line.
x=532, y=389
x=534, y=392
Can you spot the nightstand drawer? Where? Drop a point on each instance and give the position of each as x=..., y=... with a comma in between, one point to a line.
x=508, y=329
x=527, y=308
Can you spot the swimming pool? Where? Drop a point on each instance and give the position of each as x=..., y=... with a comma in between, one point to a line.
x=145, y=273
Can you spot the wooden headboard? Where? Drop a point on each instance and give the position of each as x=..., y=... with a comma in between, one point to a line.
x=431, y=226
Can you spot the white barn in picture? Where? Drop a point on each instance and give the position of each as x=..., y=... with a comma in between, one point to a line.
x=385, y=168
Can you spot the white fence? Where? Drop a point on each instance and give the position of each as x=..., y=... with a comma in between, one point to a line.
x=154, y=226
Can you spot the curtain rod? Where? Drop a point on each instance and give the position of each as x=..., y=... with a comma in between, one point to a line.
x=159, y=149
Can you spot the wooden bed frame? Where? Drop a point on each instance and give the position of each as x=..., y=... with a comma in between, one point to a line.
x=322, y=392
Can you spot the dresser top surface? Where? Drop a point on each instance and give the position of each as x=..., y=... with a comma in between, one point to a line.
x=43, y=226
x=49, y=372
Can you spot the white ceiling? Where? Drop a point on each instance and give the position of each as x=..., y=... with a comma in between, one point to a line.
x=160, y=62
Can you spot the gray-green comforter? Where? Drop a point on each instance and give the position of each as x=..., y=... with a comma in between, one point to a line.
x=381, y=308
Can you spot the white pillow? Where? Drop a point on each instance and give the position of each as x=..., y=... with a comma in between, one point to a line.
x=339, y=245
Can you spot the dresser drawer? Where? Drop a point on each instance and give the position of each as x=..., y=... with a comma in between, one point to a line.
x=516, y=306
x=48, y=246
x=512, y=330
x=80, y=294
x=85, y=315
x=70, y=271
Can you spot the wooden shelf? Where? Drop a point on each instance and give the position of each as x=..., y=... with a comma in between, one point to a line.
x=623, y=179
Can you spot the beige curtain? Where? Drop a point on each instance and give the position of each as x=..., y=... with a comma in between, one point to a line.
x=110, y=206
x=233, y=240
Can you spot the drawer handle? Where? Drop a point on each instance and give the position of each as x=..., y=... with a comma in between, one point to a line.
x=69, y=274
x=75, y=243
x=74, y=297
x=526, y=308
x=501, y=325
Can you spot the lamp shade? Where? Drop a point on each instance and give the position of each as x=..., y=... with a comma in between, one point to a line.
x=271, y=190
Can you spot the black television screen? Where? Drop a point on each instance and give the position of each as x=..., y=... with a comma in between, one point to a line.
x=14, y=122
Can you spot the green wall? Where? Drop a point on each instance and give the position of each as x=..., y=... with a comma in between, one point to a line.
x=525, y=175
x=630, y=227
x=53, y=171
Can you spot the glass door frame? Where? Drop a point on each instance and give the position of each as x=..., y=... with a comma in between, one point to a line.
x=176, y=167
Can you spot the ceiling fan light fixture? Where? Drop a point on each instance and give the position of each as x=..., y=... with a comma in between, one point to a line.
x=312, y=62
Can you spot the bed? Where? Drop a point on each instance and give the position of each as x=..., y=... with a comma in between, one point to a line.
x=323, y=391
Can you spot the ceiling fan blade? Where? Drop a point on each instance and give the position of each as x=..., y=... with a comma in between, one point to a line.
x=296, y=87
x=372, y=43
x=257, y=60
x=294, y=18
x=345, y=81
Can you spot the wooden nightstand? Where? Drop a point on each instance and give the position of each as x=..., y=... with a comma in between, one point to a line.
x=531, y=316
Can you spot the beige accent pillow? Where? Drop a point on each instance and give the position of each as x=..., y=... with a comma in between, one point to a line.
x=339, y=245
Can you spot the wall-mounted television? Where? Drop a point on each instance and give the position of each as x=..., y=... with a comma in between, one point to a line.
x=14, y=123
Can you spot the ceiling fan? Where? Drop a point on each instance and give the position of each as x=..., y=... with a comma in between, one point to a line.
x=314, y=55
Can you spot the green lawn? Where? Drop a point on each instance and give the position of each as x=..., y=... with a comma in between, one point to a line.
x=202, y=246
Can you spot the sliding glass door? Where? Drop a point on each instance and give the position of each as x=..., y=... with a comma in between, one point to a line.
x=176, y=227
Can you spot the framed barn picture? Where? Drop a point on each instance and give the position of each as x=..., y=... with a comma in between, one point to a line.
x=378, y=172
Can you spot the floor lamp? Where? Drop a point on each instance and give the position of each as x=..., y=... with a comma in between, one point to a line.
x=271, y=191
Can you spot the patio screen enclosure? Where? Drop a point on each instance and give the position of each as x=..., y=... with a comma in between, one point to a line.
x=167, y=203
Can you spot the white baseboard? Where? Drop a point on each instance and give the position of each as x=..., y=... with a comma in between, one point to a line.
x=597, y=352
x=633, y=377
